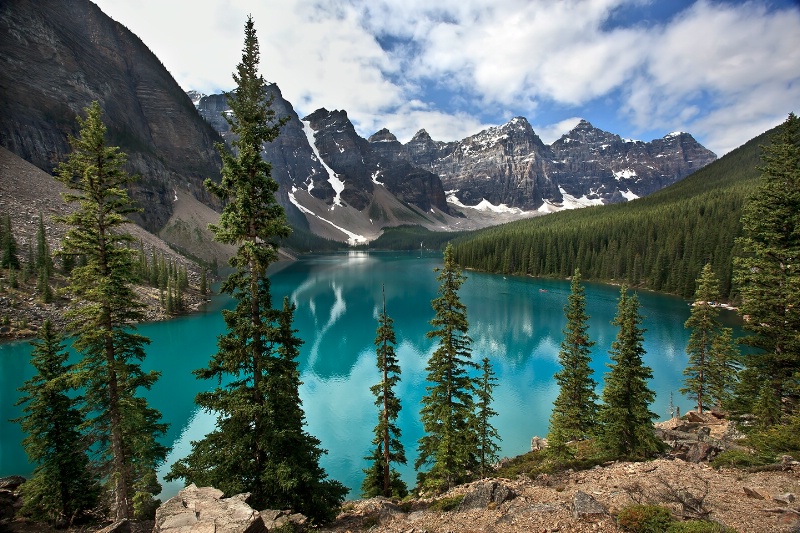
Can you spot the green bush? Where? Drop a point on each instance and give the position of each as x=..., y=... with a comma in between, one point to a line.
x=739, y=459
x=698, y=526
x=446, y=504
x=644, y=519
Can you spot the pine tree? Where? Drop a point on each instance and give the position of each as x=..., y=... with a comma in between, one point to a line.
x=381, y=479
x=767, y=274
x=625, y=418
x=723, y=368
x=448, y=409
x=574, y=415
x=44, y=263
x=259, y=445
x=102, y=318
x=704, y=326
x=487, y=434
x=203, y=281
x=8, y=246
x=62, y=486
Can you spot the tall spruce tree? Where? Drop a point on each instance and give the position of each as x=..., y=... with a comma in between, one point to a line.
x=574, y=415
x=487, y=434
x=8, y=246
x=102, y=317
x=767, y=274
x=44, y=263
x=449, y=444
x=625, y=417
x=62, y=486
x=381, y=479
x=704, y=329
x=259, y=444
x=723, y=369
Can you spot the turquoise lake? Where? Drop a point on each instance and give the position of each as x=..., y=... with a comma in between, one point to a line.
x=514, y=321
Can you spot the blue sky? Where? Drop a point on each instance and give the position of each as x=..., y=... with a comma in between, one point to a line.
x=724, y=71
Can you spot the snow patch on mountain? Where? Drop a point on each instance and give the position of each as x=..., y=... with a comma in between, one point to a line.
x=333, y=178
x=352, y=238
x=625, y=173
x=483, y=205
x=571, y=202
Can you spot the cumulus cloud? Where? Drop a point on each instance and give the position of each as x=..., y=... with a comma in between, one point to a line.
x=723, y=71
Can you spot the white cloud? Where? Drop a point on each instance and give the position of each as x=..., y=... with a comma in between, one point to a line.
x=552, y=132
x=718, y=70
x=721, y=71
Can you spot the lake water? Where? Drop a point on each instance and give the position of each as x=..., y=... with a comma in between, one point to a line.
x=514, y=321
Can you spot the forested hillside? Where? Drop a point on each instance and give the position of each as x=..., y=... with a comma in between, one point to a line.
x=659, y=242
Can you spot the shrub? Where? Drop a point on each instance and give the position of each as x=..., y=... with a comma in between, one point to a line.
x=644, y=518
x=446, y=504
x=739, y=459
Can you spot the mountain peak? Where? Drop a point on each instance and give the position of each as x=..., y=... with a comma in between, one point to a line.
x=422, y=135
x=383, y=135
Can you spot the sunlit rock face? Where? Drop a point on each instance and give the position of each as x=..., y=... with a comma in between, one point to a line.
x=510, y=165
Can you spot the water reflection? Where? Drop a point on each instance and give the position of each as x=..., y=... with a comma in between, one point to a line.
x=514, y=321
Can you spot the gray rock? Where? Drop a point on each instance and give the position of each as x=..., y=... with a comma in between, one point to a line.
x=201, y=509
x=538, y=443
x=701, y=451
x=11, y=482
x=785, y=498
x=585, y=506
x=485, y=494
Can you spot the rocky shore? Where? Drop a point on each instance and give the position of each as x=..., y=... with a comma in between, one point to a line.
x=760, y=500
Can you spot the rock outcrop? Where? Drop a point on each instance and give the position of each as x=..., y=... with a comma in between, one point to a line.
x=201, y=509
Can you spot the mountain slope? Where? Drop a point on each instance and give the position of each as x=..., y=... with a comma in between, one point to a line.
x=56, y=57
x=660, y=242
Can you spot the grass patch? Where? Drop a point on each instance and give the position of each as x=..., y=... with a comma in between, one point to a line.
x=740, y=459
x=583, y=455
x=446, y=504
x=641, y=518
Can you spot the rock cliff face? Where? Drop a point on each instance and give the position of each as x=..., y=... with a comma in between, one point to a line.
x=510, y=165
x=502, y=165
x=323, y=155
x=592, y=162
x=56, y=57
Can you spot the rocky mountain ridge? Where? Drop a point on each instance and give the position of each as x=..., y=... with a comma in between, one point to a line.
x=499, y=174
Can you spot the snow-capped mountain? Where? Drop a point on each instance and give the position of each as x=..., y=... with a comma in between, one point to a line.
x=342, y=186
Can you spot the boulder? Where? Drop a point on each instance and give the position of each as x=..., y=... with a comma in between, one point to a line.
x=701, y=451
x=10, y=502
x=785, y=498
x=486, y=494
x=694, y=416
x=585, y=506
x=752, y=493
x=11, y=483
x=538, y=443
x=201, y=509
